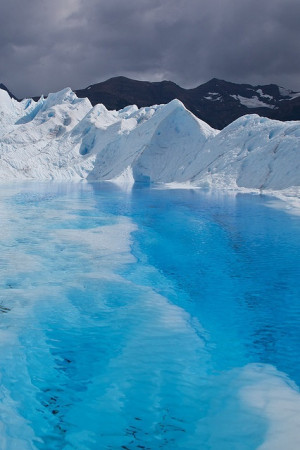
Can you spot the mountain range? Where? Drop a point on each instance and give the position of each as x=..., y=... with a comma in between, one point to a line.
x=64, y=137
x=216, y=102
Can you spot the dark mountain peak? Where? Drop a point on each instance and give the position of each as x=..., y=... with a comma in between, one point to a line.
x=122, y=81
x=118, y=92
x=222, y=87
x=214, y=81
x=4, y=88
x=217, y=82
x=166, y=83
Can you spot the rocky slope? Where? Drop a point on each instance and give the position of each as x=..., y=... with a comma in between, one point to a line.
x=217, y=102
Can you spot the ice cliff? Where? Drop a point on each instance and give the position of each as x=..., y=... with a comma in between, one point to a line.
x=65, y=138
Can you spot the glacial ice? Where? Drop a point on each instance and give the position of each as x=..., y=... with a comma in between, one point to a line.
x=276, y=398
x=65, y=138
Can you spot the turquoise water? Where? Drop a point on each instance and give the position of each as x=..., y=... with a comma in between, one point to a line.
x=150, y=319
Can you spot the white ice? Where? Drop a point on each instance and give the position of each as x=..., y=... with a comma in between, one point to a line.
x=271, y=394
x=65, y=138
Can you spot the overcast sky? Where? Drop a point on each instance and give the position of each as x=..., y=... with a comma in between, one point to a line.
x=46, y=45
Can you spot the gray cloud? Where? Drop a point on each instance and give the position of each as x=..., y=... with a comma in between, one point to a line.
x=47, y=45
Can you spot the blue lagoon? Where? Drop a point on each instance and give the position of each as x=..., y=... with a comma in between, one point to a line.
x=147, y=319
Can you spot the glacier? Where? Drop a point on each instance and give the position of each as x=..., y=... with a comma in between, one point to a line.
x=63, y=138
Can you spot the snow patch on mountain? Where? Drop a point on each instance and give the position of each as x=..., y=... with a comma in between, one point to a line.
x=65, y=138
x=288, y=93
x=261, y=94
x=252, y=102
x=284, y=92
x=213, y=96
x=295, y=95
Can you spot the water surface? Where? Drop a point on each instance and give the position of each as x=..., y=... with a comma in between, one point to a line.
x=148, y=318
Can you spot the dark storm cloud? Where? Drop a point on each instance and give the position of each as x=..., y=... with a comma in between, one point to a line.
x=47, y=45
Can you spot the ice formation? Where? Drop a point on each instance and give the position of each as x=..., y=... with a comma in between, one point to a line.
x=65, y=138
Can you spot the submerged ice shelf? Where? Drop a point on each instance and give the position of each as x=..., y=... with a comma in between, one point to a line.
x=65, y=138
x=147, y=318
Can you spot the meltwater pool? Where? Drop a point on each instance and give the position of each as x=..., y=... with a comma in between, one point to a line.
x=147, y=319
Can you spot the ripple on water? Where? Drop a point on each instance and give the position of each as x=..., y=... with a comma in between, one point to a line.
x=130, y=326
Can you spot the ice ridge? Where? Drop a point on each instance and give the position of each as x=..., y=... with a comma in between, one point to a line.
x=63, y=137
